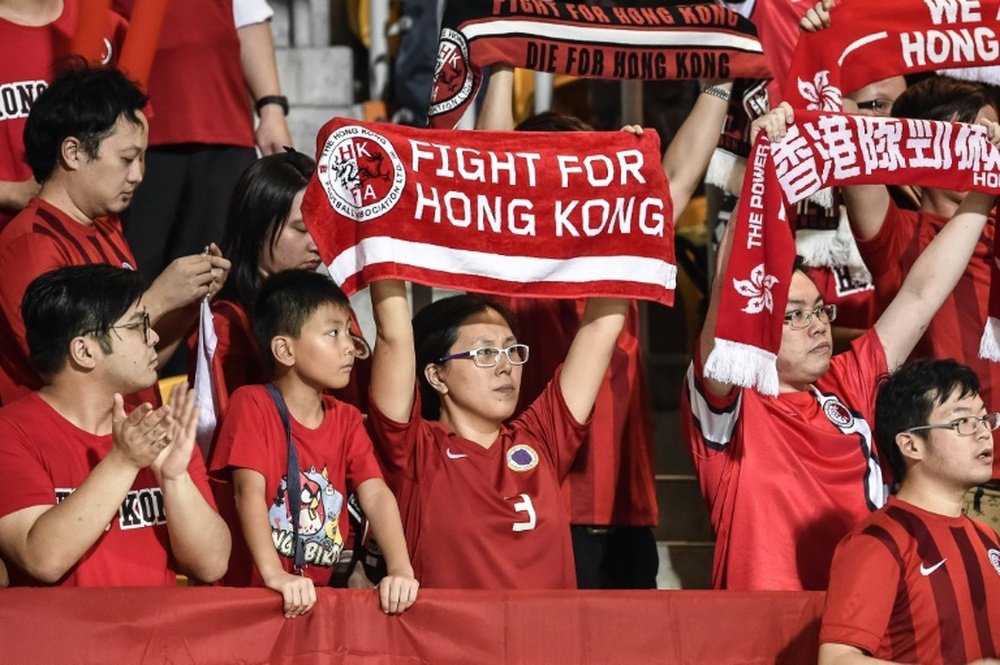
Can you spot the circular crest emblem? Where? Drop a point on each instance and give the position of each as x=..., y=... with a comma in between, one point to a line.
x=361, y=173
x=452, y=77
x=994, y=556
x=838, y=414
x=522, y=458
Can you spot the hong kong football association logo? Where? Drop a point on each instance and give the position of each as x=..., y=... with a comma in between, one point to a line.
x=452, y=77
x=361, y=173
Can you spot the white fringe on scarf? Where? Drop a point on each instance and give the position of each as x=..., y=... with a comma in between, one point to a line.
x=743, y=365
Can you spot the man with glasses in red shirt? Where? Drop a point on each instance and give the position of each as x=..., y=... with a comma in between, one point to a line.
x=90, y=496
x=917, y=581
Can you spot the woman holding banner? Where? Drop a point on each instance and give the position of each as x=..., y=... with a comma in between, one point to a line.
x=480, y=499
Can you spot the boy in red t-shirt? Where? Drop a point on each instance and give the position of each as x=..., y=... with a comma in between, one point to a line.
x=301, y=321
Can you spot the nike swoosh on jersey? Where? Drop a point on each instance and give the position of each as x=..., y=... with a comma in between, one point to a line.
x=451, y=455
x=925, y=571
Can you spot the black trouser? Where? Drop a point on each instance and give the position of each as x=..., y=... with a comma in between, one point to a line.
x=622, y=557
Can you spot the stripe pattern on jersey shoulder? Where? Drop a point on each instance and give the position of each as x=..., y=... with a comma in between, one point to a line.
x=716, y=425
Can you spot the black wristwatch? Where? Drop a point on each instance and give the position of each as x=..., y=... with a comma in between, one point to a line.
x=280, y=100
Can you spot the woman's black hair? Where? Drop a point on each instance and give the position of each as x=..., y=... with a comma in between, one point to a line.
x=261, y=202
x=435, y=329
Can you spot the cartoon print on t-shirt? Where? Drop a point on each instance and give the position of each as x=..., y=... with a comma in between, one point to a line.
x=319, y=530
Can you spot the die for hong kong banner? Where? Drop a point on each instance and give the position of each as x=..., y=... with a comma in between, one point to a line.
x=587, y=40
x=822, y=150
x=548, y=214
x=871, y=41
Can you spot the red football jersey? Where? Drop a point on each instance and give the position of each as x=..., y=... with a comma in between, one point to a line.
x=611, y=480
x=39, y=239
x=485, y=518
x=911, y=586
x=44, y=458
x=23, y=77
x=334, y=458
x=956, y=329
x=786, y=477
x=196, y=86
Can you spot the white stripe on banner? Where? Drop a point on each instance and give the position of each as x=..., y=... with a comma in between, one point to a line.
x=635, y=38
x=858, y=43
x=520, y=269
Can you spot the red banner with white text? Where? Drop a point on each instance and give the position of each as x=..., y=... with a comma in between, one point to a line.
x=549, y=214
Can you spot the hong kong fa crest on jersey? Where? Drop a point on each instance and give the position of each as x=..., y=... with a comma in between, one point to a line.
x=994, y=556
x=522, y=458
x=361, y=173
x=838, y=413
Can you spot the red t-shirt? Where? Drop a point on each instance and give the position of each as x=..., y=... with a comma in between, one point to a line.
x=485, y=518
x=196, y=86
x=911, y=586
x=333, y=458
x=956, y=329
x=39, y=239
x=786, y=477
x=25, y=72
x=611, y=480
x=44, y=458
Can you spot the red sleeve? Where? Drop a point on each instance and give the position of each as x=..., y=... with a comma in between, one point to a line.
x=554, y=427
x=397, y=443
x=361, y=462
x=242, y=439
x=23, y=479
x=856, y=372
x=24, y=259
x=882, y=252
x=236, y=352
x=710, y=419
x=863, y=581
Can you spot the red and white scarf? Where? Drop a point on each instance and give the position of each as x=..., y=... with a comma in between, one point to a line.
x=871, y=41
x=549, y=214
x=823, y=150
x=586, y=40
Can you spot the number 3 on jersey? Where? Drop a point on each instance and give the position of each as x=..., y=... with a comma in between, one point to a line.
x=522, y=504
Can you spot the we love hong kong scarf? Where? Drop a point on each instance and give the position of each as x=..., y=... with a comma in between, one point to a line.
x=549, y=214
x=823, y=150
x=871, y=41
x=586, y=40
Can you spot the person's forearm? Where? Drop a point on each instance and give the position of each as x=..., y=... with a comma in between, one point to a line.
x=252, y=509
x=590, y=353
x=393, y=364
x=688, y=154
x=382, y=511
x=497, y=109
x=260, y=70
x=14, y=195
x=199, y=538
x=65, y=532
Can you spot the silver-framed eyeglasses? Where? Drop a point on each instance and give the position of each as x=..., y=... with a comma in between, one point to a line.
x=799, y=319
x=143, y=325
x=968, y=426
x=489, y=356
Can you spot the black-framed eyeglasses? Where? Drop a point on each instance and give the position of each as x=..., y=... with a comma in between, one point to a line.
x=879, y=105
x=489, y=356
x=799, y=319
x=143, y=325
x=967, y=426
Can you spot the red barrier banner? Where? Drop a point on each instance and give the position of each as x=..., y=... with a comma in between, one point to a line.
x=188, y=626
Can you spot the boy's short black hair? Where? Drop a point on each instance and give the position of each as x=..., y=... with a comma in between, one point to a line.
x=82, y=101
x=286, y=301
x=907, y=397
x=74, y=301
